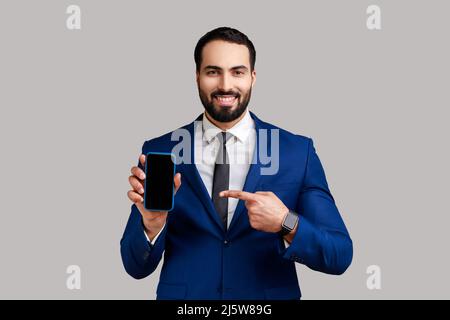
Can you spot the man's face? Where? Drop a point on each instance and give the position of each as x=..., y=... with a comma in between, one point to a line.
x=225, y=80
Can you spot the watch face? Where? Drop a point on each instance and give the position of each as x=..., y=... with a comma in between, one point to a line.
x=291, y=220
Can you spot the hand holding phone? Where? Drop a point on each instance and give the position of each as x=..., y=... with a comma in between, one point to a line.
x=153, y=220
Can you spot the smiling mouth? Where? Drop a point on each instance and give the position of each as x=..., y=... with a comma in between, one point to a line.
x=225, y=100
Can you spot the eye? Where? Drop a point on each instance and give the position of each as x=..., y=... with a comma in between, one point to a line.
x=211, y=72
x=239, y=73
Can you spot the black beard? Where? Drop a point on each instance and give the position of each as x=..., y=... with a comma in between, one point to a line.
x=224, y=114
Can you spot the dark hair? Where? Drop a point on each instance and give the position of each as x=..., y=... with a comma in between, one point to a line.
x=225, y=34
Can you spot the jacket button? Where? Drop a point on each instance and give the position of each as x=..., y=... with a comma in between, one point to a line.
x=225, y=242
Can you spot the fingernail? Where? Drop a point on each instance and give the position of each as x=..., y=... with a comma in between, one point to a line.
x=142, y=176
x=221, y=194
x=141, y=190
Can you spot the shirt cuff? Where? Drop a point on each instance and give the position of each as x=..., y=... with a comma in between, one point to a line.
x=286, y=244
x=156, y=237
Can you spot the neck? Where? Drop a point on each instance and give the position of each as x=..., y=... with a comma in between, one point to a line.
x=224, y=126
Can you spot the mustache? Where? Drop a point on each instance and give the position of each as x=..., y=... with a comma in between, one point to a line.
x=225, y=93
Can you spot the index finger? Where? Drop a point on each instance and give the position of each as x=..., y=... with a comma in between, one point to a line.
x=237, y=194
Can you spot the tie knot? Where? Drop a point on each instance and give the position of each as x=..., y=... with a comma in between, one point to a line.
x=224, y=137
x=222, y=155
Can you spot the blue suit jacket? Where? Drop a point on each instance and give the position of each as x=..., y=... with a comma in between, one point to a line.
x=203, y=261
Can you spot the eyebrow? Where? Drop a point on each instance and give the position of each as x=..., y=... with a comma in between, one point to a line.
x=233, y=68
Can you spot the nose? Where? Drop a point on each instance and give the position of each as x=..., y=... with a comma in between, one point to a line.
x=225, y=83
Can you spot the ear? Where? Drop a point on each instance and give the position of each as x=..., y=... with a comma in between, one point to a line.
x=253, y=77
x=197, y=77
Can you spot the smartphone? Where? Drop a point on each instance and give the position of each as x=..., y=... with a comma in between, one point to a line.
x=158, y=185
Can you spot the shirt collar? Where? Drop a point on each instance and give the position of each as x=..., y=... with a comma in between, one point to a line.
x=240, y=130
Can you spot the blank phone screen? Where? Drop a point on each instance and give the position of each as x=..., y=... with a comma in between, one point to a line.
x=159, y=182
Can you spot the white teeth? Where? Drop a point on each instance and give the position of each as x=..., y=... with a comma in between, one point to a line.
x=225, y=99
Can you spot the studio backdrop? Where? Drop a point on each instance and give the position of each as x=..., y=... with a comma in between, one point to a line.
x=83, y=84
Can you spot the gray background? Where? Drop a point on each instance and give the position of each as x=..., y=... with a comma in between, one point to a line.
x=76, y=107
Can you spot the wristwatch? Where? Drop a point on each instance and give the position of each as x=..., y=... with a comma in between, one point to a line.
x=289, y=223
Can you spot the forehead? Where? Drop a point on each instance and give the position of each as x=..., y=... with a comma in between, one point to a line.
x=225, y=54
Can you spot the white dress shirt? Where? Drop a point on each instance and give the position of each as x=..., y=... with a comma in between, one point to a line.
x=240, y=148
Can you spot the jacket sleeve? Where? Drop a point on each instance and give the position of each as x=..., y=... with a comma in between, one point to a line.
x=139, y=257
x=322, y=241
